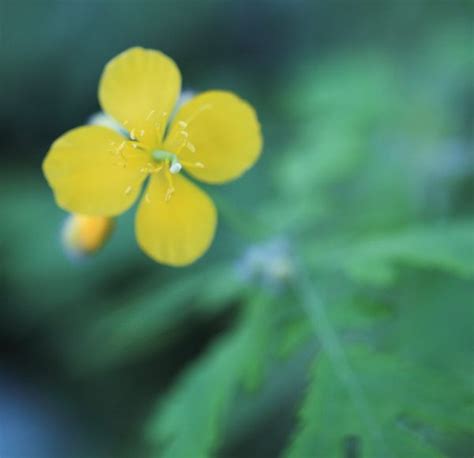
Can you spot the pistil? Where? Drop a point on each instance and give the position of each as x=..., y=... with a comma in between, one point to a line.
x=173, y=166
x=169, y=158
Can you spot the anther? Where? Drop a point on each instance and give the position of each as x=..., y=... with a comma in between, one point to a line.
x=120, y=147
x=198, y=165
x=169, y=193
x=170, y=190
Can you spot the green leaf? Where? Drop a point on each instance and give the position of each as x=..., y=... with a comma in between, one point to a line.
x=401, y=400
x=448, y=247
x=389, y=397
x=191, y=418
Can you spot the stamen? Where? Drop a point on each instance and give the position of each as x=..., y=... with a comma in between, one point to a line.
x=128, y=190
x=156, y=169
x=169, y=194
x=180, y=130
x=180, y=143
x=120, y=148
x=198, y=165
x=197, y=113
x=178, y=137
x=170, y=190
x=152, y=112
x=139, y=145
x=160, y=125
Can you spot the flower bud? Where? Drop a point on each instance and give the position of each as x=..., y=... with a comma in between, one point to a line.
x=84, y=235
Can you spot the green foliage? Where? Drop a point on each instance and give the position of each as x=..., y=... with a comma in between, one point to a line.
x=193, y=417
x=390, y=392
x=400, y=398
x=390, y=398
x=448, y=247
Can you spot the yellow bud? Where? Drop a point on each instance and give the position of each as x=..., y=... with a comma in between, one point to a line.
x=85, y=235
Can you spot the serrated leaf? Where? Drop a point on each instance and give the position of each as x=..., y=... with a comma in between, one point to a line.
x=191, y=418
x=396, y=400
x=448, y=247
x=401, y=396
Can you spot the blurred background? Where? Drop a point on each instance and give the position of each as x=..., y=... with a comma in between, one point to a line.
x=332, y=317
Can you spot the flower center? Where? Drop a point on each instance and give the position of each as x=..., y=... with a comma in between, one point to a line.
x=162, y=160
x=169, y=159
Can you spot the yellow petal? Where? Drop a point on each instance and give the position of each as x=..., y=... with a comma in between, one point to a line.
x=179, y=230
x=94, y=171
x=139, y=88
x=223, y=136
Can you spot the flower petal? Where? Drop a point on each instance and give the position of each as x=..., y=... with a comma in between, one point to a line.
x=179, y=230
x=223, y=134
x=139, y=88
x=94, y=171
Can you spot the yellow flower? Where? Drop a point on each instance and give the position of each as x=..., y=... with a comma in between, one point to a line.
x=84, y=235
x=215, y=137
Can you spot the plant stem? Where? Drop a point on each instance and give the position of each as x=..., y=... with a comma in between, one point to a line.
x=314, y=308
